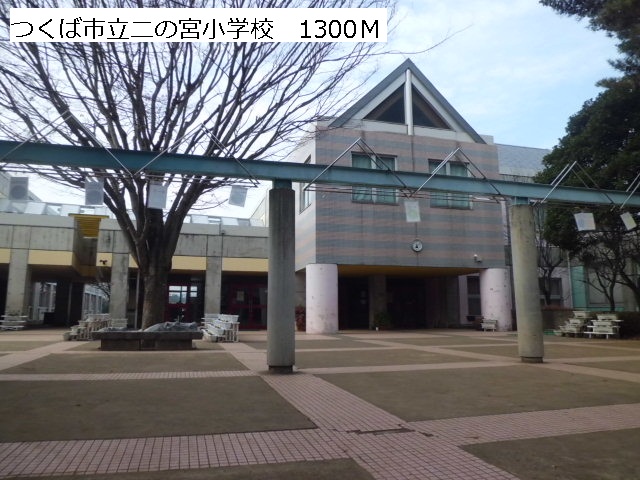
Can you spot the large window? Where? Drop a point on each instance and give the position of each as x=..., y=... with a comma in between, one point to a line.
x=445, y=199
x=370, y=194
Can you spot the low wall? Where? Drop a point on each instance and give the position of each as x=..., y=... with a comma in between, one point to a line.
x=141, y=340
x=554, y=317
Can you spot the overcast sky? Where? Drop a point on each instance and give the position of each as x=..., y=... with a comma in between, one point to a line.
x=515, y=69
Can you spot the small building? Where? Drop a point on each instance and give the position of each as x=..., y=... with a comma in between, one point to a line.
x=427, y=260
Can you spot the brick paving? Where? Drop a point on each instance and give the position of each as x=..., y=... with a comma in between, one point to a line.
x=347, y=426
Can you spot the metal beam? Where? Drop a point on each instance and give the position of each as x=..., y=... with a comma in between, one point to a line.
x=85, y=157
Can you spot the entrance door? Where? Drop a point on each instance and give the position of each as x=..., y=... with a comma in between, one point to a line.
x=407, y=304
x=248, y=300
x=353, y=303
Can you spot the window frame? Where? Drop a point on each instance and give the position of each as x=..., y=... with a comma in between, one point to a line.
x=304, y=197
x=374, y=195
x=450, y=200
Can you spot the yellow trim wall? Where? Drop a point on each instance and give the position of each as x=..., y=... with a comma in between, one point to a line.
x=180, y=262
x=183, y=262
x=50, y=257
x=245, y=265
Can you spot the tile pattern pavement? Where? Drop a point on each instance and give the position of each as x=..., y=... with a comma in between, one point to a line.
x=348, y=427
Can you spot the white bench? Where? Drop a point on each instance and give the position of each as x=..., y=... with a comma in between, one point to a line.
x=574, y=326
x=577, y=324
x=13, y=322
x=606, y=324
x=489, y=324
x=220, y=327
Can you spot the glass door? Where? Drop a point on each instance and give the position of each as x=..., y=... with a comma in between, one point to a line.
x=249, y=302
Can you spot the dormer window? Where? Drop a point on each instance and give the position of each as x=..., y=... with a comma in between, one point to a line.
x=392, y=110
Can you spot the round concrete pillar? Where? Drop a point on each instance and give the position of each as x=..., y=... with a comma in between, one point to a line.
x=525, y=278
x=322, y=298
x=495, y=296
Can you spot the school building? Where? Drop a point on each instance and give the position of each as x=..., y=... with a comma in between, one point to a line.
x=425, y=260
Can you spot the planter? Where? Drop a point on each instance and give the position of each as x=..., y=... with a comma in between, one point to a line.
x=140, y=340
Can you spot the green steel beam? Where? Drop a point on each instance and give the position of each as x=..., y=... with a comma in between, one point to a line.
x=71, y=156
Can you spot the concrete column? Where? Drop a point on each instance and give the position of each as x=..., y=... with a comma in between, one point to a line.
x=63, y=300
x=213, y=285
x=525, y=278
x=18, y=282
x=322, y=298
x=377, y=296
x=495, y=296
x=119, y=285
x=281, y=294
x=76, y=302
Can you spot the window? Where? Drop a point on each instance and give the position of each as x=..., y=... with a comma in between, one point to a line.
x=473, y=295
x=305, y=192
x=555, y=290
x=449, y=200
x=392, y=108
x=178, y=293
x=370, y=194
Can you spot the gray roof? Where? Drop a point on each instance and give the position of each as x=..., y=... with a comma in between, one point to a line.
x=520, y=161
x=407, y=65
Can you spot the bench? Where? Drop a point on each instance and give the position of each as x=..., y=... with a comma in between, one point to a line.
x=13, y=322
x=220, y=327
x=576, y=325
x=489, y=324
x=605, y=324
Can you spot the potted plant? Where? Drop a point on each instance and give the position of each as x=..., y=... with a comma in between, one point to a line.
x=301, y=318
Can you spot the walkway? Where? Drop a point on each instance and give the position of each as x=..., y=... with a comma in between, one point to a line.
x=348, y=426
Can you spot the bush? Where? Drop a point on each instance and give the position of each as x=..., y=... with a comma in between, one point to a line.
x=630, y=325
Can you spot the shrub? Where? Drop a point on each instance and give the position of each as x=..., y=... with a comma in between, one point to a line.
x=630, y=325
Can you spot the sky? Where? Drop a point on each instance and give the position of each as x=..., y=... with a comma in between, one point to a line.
x=514, y=69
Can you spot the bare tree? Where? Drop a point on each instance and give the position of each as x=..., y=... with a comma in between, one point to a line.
x=602, y=271
x=550, y=257
x=244, y=100
x=611, y=254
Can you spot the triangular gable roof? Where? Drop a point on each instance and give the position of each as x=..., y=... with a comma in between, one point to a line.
x=439, y=102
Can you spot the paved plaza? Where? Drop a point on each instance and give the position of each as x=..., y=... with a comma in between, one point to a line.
x=430, y=404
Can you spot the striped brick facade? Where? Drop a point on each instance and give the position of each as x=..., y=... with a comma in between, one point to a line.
x=367, y=240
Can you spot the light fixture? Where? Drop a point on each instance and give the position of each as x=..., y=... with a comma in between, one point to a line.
x=94, y=192
x=629, y=221
x=157, y=195
x=584, y=221
x=19, y=188
x=238, y=196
